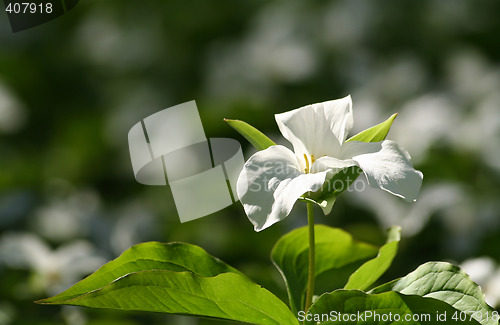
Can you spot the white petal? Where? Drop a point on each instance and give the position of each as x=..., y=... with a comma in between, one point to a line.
x=332, y=163
x=387, y=166
x=270, y=184
x=317, y=129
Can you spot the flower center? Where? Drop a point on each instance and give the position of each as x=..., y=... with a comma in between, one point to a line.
x=308, y=165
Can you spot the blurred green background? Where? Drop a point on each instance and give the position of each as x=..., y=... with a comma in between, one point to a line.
x=72, y=88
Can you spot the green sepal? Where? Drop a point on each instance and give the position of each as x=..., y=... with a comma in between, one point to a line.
x=258, y=139
x=375, y=133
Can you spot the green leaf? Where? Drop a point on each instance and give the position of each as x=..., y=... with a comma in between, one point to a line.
x=175, y=257
x=176, y=278
x=357, y=307
x=226, y=296
x=258, y=139
x=337, y=256
x=375, y=133
x=369, y=272
x=445, y=282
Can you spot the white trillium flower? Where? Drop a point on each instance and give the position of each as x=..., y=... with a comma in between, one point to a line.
x=272, y=180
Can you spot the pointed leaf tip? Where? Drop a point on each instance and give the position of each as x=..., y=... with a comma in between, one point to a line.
x=375, y=133
x=258, y=139
x=176, y=278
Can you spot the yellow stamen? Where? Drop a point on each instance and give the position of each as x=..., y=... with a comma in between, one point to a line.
x=307, y=164
x=312, y=159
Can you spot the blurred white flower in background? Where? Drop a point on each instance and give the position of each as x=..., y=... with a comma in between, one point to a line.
x=423, y=121
x=68, y=213
x=485, y=272
x=74, y=315
x=135, y=224
x=411, y=217
x=345, y=24
x=398, y=79
x=12, y=112
x=276, y=49
x=52, y=270
x=130, y=101
x=465, y=220
x=489, y=124
x=7, y=313
x=471, y=76
x=101, y=36
x=478, y=131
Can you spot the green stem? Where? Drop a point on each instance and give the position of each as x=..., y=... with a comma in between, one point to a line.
x=312, y=257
